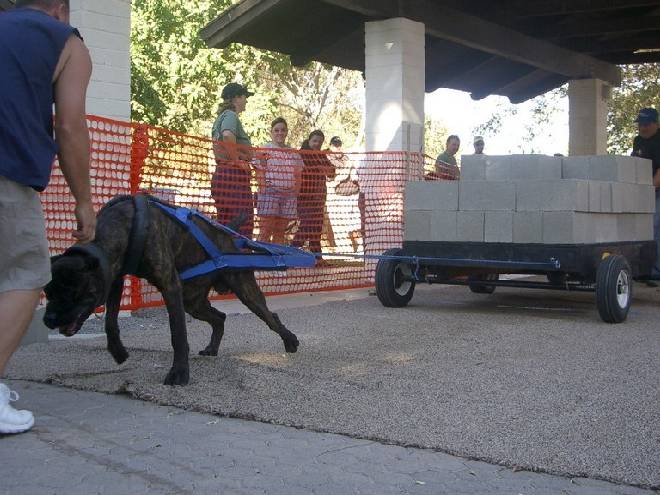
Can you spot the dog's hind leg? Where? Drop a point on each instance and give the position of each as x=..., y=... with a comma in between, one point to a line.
x=115, y=345
x=245, y=286
x=198, y=306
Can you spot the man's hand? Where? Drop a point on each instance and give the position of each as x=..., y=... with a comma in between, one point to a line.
x=86, y=222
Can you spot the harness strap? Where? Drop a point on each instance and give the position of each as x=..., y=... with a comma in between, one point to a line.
x=182, y=215
x=138, y=236
x=269, y=256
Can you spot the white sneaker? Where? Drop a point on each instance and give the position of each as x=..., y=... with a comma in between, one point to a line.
x=11, y=420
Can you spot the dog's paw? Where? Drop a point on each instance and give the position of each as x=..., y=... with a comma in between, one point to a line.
x=177, y=376
x=118, y=352
x=291, y=343
x=208, y=351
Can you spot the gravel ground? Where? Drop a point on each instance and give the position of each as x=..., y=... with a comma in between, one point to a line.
x=529, y=379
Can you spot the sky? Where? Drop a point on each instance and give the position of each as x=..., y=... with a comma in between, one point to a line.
x=460, y=114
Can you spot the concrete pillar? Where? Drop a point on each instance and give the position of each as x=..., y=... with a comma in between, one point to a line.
x=395, y=85
x=106, y=27
x=588, y=107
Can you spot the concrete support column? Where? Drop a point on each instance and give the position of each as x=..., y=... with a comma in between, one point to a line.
x=395, y=85
x=106, y=27
x=588, y=107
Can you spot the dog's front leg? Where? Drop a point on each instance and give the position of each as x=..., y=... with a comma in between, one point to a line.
x=172, y=294
x=115, y=345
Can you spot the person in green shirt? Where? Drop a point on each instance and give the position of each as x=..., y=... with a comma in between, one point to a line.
x=445, y=164
x=231, y=181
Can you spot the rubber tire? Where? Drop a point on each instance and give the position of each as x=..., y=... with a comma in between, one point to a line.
x=607, y=288
x=483, y=289
x=385, y=284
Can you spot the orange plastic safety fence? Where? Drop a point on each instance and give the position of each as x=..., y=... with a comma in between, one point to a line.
x=338, y=204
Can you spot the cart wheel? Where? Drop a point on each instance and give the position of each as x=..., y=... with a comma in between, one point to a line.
x=614, y=289
x=394, y=286
x=483, y=289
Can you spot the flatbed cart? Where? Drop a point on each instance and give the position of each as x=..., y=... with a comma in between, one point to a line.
x=606, y=269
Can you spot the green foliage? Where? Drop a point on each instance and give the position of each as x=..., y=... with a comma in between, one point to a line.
x=640, y=88
x=177, y=79
x=435, y=137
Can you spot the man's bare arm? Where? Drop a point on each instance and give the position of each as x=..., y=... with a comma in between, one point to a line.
x=72, y=77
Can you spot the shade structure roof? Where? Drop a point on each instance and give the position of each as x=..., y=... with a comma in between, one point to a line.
x=514, y=48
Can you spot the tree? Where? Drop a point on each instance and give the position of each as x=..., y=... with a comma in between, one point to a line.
x=177, y=79
x=435, y=137
x=640, y=88
x=536, y=114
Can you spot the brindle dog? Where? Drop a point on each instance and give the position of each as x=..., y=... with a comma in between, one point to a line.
x=86, y=277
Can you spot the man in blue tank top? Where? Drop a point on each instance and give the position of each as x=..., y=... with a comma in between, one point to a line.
x=43, y=62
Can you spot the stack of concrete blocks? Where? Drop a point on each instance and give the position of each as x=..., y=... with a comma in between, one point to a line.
x=534, y=199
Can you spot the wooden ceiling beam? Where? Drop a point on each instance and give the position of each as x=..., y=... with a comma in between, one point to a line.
x=542, y=8
x=584, y=28
x=227, y=27
x=475, y=32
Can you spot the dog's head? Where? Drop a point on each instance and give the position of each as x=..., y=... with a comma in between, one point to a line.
x=77, y=288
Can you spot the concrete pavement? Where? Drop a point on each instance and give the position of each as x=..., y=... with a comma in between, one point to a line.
x=86, y=443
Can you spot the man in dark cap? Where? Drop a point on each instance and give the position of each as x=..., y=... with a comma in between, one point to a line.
x=44, y=62
x=647, y=145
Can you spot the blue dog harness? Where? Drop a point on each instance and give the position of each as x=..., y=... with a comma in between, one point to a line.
x=266, y=256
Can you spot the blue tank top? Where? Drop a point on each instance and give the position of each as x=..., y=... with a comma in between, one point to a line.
x=31, y=43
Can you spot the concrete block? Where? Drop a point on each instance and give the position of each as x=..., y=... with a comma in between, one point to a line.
x=635, y=227
x=600, y=196
x=470, y=226
x=484, y=195
x=443, y=226
x=498, y=168
x=575, y=167
x=527, y=227
x=536, y=167
x=606, y=197
x=37, y=332
x=498, y=226
x=569, y=227
x=627, y=226
x=552, y=195
x=473, y=167
x=648, y=198
x=599, y=227
x=595, y=196
x=417, y=226
x=558, y=227
x=644, y=227
x=632, y=198
x=644, y=171
x=432, y=195
x=613, y=168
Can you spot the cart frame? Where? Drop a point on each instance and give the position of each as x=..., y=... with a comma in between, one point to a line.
x=607, y=269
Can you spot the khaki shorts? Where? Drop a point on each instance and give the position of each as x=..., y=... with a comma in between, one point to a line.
x=24, y=260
